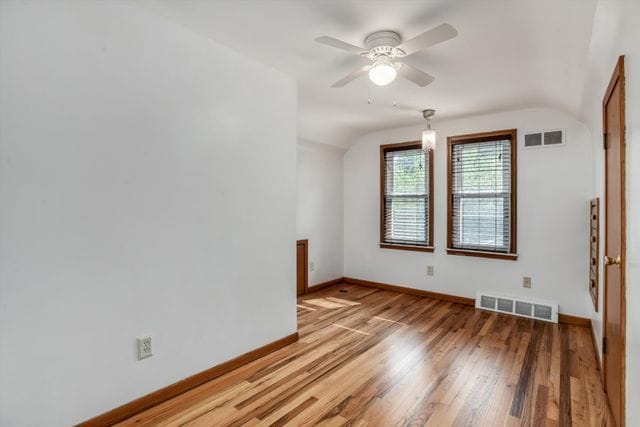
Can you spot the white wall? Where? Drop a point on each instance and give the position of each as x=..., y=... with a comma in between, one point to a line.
x=554, y=188
x=320, y=208
x=147, y=186
x=616, y=32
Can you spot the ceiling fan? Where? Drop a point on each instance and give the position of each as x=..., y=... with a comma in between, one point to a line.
x=384, y=49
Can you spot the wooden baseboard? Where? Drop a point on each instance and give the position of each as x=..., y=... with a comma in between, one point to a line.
x=574, y=320
x=150, y=400
x=412, y=291
x=323, y=285
x=562, y=318
x=595, y=349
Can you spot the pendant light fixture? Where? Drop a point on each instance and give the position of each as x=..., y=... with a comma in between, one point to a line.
x=429, y=134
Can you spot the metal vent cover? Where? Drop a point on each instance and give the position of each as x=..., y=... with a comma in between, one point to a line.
x=553, y=137
x=542, y=311
x=505, y=305
x=523, y=308
x=533, y=140
x=488, y=302
x=518, y=306
x=547, y=138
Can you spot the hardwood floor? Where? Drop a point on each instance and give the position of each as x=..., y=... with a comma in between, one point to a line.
x=381, y=358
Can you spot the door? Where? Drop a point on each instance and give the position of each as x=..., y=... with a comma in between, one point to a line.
x=614, y=280
x=301, y=266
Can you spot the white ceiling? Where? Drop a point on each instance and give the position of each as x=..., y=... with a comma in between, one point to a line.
x=509, y=54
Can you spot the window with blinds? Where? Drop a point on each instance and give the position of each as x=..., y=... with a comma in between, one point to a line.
x=481, y=192
x=406, y=196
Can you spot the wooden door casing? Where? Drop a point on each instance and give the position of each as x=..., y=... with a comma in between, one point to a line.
x=613, y=107
x=302, y=256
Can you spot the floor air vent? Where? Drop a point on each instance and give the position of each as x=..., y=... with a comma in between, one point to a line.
x=524, y=307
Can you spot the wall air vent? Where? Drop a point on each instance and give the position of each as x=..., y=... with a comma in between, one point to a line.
x=547, y=138
x=488, y=302
x=524, y=307
x=533, y=140
x=505, y=305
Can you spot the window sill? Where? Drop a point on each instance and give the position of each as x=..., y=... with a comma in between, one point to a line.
x=482, y=254
x=406, y=247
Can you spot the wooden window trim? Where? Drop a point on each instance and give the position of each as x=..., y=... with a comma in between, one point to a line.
x=398, y=147
x=483, y=254
x=415, y=248
x=512, y=135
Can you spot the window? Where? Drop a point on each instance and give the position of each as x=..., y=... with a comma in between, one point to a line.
x=481, y=199
x=406, y=205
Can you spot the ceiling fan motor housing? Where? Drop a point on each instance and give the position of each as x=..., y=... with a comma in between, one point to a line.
x=382, y=38
x=383, y=43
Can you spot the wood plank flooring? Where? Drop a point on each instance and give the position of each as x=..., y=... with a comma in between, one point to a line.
x=369, y=357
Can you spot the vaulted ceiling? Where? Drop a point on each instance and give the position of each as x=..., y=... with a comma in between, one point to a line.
x=508, y=55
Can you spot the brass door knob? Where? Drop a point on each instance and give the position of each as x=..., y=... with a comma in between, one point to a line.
x=612, y=261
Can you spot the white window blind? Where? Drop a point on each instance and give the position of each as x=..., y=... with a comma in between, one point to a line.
x=406, y=197
x=481, y=196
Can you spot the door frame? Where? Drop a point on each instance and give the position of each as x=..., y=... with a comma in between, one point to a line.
x=616, y=77
x=305, y=243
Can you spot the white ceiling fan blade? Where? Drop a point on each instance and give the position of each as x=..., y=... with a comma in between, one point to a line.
x=351, y=76
x=339, y=44
x=414, y=75
x=429, y=38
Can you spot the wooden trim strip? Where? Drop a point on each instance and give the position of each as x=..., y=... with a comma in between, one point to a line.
x=567, y=319
x=562, y=318
x=150, y=400
x=305, y=244
x=412, y=291
x=595, y=348
x=406, y=247
x=326, y=284
x=600, y=368
x=482, y=254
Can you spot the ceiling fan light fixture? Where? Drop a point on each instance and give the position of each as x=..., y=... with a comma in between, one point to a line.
x=385, y=49
x=383, y=72
x=429, y=134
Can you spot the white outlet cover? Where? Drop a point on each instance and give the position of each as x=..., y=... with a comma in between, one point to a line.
x=144, y=347
x=430, y=270
x=311, y=266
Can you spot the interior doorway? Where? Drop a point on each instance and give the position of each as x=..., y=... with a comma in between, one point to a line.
x=302, y=259
x=613, y=343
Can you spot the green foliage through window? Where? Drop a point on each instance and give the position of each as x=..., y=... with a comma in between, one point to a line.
x=406, y=198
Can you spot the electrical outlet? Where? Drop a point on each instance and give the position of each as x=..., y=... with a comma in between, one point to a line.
x=144, y=347
x=312, y=266
x=526, y=282
x=429, y=270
